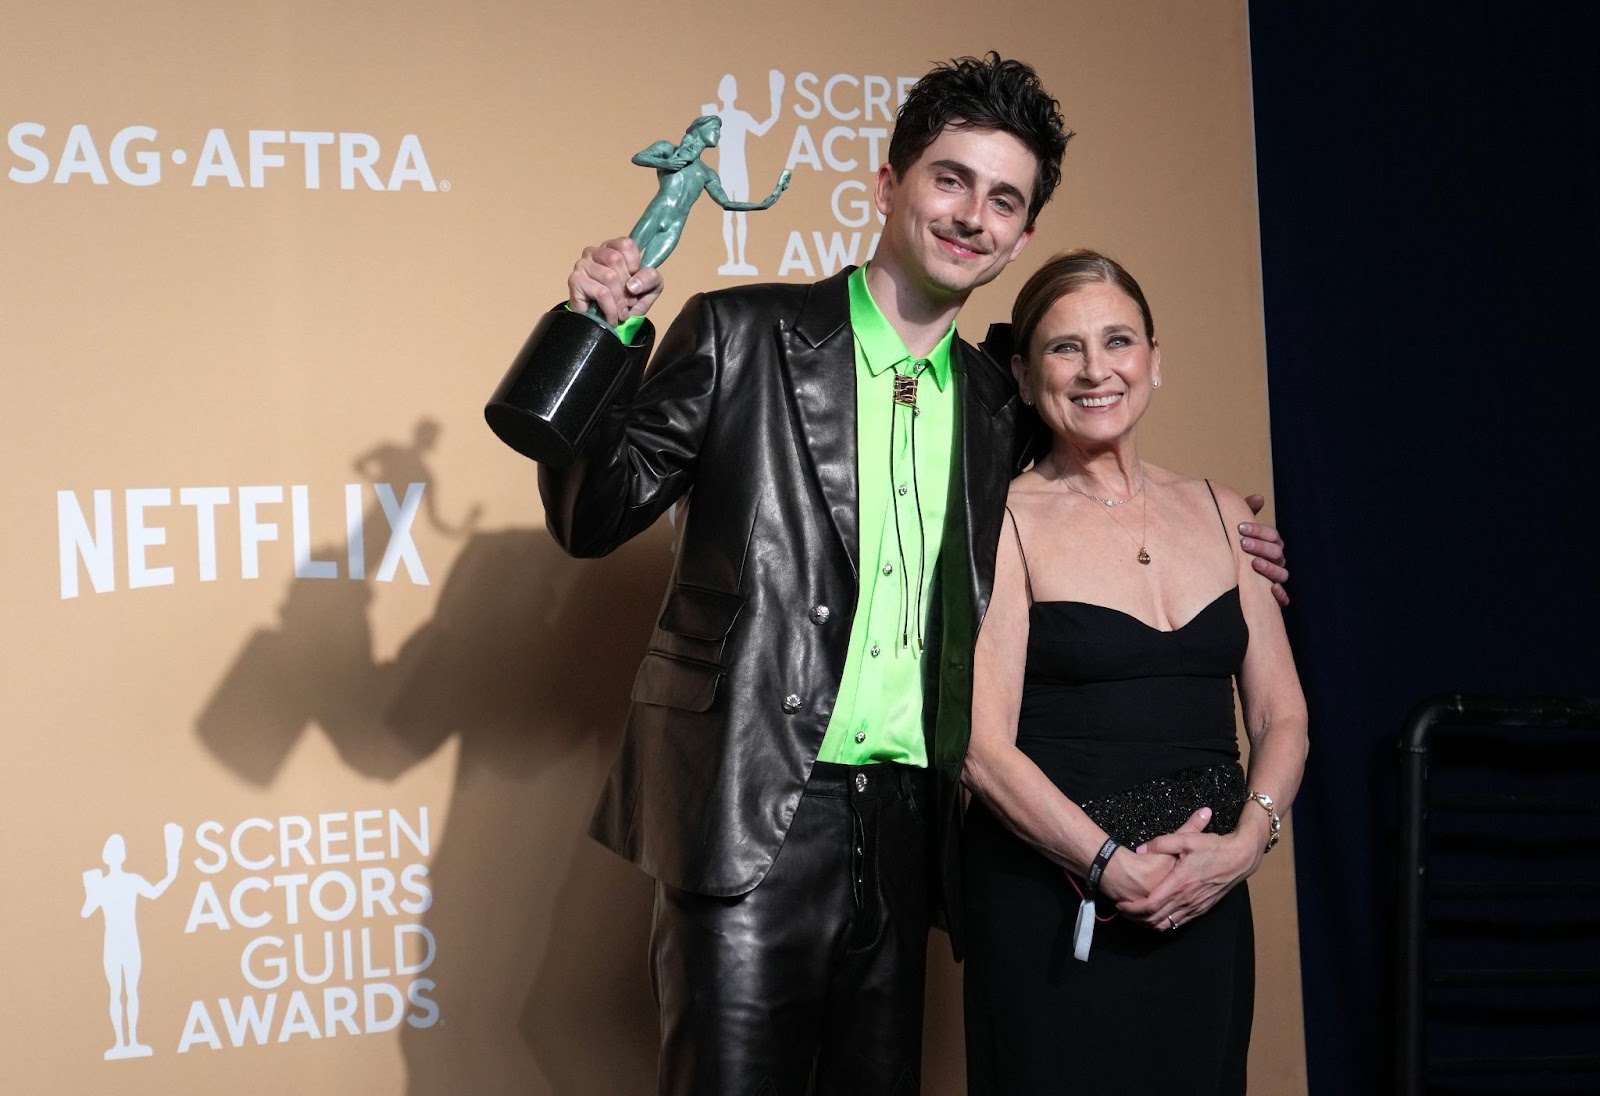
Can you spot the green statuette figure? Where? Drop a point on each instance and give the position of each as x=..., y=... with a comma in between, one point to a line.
x=573, y=365
x=681, y=178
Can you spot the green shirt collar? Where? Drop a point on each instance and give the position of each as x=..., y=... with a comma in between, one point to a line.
x=881, y=345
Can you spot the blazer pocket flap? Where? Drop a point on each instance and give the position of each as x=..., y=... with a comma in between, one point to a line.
x=700, y=614
x=675, y=683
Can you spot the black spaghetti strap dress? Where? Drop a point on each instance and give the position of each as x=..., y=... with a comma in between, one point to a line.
x=1108, y=703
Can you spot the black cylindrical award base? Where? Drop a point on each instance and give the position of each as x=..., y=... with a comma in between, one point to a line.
x=565, y=375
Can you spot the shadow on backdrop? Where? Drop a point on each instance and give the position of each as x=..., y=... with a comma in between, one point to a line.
x=528, y=659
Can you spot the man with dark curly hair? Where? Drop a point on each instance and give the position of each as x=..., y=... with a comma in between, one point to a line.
x=789, y=774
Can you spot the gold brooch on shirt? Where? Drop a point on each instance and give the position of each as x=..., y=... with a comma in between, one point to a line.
x=905, y=390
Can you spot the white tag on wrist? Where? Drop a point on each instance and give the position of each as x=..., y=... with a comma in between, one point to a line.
x=1083, y=930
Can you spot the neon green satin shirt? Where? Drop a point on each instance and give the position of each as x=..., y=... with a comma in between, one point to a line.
x=903, y=481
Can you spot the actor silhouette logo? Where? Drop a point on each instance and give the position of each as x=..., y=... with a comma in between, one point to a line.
x=115, y=894
x=139, y=156
x=331, y=905
x=732, y=164
x=841, y=133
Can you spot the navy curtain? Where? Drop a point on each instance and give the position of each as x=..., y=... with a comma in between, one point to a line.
x=1430, y=221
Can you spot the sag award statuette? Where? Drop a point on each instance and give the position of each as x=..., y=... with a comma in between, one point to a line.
x=571, y=366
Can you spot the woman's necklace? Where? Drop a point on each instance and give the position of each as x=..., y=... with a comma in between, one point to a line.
x=1137, y=491
x=1144, y=517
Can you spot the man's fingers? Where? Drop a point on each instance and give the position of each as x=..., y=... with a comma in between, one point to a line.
x=606, y=302
x=629, y=249
x=1266, y=552
x=646, y=282
x=616, y=264
x=608, y=277
x=643, y=304
x=596, y=290
x=600, y=277
x=1263, y=549
x=1273, y=571
x=580, y=292
x=608, y=267
x=622, y=250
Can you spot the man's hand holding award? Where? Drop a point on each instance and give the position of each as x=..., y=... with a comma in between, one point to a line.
x=573, y=364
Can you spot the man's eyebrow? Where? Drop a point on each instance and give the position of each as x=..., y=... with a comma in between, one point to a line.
x=955, y=167
x=1011, y=192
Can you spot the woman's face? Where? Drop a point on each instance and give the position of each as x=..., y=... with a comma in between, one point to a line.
x=1090, y=367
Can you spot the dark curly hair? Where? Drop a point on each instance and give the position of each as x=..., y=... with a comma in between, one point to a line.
x=986, y=93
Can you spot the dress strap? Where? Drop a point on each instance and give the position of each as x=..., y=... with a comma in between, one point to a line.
x=1220, y=518
x=1016, y=531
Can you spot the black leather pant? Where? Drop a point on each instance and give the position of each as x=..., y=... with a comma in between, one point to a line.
x=812, y=982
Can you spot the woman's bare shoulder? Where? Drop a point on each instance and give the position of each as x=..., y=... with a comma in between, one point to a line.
x=1229, y=500
x=1158, y=476
x=1195, y=488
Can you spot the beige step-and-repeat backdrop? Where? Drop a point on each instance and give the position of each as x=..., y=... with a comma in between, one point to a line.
x=304, y=712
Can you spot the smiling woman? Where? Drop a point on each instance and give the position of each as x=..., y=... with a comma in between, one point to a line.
x=1104, y=761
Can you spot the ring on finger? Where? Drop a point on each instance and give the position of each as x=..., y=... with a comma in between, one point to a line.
x=1171, y=921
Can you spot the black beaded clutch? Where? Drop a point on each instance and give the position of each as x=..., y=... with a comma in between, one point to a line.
x=1135, y=815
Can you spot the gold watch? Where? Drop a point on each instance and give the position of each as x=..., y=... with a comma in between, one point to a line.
x=1277, y=823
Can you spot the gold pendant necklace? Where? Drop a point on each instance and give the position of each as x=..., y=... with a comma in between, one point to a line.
x=1144, y=527
x=1144, y=516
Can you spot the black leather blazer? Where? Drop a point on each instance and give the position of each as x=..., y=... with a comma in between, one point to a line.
x=748, y=408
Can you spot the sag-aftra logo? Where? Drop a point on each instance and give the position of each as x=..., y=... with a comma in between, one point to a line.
x=140, y=156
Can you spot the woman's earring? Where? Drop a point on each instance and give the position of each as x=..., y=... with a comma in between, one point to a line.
x=1156, y=383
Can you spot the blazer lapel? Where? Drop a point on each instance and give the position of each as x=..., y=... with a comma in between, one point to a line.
x=984, y=469
x=820, y=356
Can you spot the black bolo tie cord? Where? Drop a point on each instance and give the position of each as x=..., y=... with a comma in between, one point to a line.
x=916, y=495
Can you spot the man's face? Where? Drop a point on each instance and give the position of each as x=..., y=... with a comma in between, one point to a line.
x=960, y=213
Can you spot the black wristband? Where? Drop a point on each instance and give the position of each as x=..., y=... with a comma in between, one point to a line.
x=1098, y=868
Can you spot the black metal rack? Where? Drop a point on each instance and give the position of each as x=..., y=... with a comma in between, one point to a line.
x=1499, y=923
